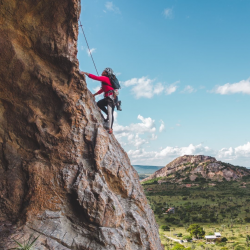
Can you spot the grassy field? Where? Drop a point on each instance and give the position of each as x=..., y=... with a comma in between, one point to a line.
x=216, y=206
x=236, y=236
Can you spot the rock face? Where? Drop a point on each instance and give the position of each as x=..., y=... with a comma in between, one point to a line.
x=62, y=176
x=193, y=166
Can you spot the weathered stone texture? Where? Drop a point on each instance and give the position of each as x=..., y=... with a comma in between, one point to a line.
x=61, y=174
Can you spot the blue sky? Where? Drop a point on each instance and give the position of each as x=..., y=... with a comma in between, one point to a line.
x=184, y=67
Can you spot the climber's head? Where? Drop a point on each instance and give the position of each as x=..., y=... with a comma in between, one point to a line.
x=104, y=73
x=107, y=72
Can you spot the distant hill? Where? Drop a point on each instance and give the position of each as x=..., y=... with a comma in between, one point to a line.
x=190, y=167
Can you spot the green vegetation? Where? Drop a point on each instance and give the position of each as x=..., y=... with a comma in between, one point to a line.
x=196, y=230
x=178, y=246
x=152, y=181
x=200, y=202
x=165, y=228
x=143, y=176
x=214, y=206
x=26, y=245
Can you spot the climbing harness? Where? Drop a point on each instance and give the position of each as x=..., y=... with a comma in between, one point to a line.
x=88, y=46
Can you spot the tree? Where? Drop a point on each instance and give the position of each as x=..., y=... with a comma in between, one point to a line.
x=196, y=230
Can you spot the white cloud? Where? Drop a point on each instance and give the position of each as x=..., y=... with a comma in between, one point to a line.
x=178, y=124
x=140, y=134
x=231, y=153
x=179, y=151
x=135, y=132
x=147, y=125
x=153, y=137
x=96, y=89
x=188, y=89
x=239, y=87
x=140, y=154
x=90, y=51
x=167, y=154
x=162, y=127
x=168, y=13
x=137, y=141
x=144, y=87
x=239, y=155
x=171, y=88
x=158, y=88
x=111, y=7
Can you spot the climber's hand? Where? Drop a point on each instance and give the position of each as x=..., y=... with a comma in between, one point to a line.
x=84, y=73
x=93, y=96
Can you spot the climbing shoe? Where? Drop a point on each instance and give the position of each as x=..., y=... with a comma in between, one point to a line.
x=118, y=105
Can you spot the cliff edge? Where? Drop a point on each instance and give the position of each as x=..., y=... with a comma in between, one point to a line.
x=62, y=176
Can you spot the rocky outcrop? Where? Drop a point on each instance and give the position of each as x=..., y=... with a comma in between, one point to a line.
x=62, y=176
x=193, y=166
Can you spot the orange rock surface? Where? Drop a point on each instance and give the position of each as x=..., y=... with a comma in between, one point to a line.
x=62, y=176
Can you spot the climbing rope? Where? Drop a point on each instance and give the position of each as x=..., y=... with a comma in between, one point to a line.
x=88, y=47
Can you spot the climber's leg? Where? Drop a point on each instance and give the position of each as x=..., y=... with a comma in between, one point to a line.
x=111, y=107
x=102, y=105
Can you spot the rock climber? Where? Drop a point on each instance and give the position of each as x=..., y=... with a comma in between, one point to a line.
x=109, y=98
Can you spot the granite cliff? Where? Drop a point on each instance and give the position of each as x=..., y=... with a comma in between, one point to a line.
x=62, y=176
x=198, y=166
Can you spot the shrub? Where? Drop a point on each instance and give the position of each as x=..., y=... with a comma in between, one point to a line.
x=247, y=219
x=239, y=247
x=221, y=244
x=170, y=219
x=187, y=237
x=165, y=228
x=223, y=239
x=178, y=246
x=152, y=181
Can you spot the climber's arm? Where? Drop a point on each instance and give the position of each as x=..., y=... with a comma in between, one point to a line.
x=84, y=73
x=98, y=92
x=97, y=78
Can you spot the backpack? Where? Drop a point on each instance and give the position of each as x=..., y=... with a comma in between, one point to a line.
x=114, y=81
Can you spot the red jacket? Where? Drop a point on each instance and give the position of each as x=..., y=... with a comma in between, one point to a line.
x=105, y=88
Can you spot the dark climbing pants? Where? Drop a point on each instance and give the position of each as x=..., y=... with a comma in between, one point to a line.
x=109, y=111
